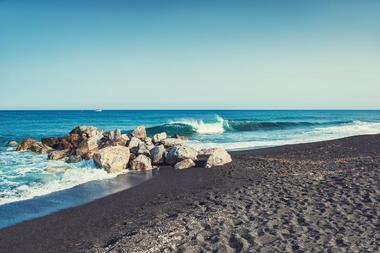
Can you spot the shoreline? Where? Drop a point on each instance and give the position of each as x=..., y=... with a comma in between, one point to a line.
x=17, y=212
x=174, y=199
x=64, y=194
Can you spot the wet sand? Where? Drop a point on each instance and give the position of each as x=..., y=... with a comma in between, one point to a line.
x=16, y=212
x=316, y=197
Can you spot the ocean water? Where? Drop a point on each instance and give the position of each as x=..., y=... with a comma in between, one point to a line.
x=23, y=176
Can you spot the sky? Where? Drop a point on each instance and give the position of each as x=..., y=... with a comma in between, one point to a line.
x=274, y=54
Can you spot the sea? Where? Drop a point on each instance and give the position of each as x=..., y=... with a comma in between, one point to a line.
x=27, y=190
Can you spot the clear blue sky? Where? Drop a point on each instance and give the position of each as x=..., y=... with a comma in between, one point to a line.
x=189, y=54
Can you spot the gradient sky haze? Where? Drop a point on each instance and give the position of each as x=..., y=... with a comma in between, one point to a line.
x=189, y=54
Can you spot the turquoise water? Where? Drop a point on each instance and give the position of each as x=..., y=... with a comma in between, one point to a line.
x=23, y=175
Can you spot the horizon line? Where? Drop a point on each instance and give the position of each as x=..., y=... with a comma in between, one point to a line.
x=207, y=109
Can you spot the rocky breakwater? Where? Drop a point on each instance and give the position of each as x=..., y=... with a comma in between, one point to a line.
x=116, y=152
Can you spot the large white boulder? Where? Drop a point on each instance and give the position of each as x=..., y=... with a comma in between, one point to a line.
x=184, y=164
x=159, y=137
x=122, y=140
x=143, y=149
x=158, y=154
x=168, y=142
x=113, y=159
x=215, y=156
x=141, y=162
x=88, y=147
x=134, y=142
x=139, y=132
x=178, y=153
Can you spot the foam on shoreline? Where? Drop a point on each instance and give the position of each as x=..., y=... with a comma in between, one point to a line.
x=28, y=177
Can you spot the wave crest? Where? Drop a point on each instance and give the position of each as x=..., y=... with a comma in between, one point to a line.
x=189, y=127
x=201, y=127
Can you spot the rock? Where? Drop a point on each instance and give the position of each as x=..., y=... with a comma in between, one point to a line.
x=64, y=144
x=60, y=143
x=184, y=164
x=40, y=148
x=148, y=141
x=74, y=139
x=88, y=147
x=105, y=142
x=122, y=140
x=12, y=143
x=74, y=159
x=158, y=154
x=215, y=156
x=112, y=135
x=139, y=132
x=58, y=154
x=25, y=144
x=113, y=138
x=116, y=134
x=113, y=159
x=168, y=142
x=86, y=131
x=143, y=149
x=180, y=152
x=206, y=152
x=50, y=141
x=159, y=137
x=108, y=135
x=132, y=156
x=134, y=142
x=141, y=162
x=181, y=137
x=150, y=147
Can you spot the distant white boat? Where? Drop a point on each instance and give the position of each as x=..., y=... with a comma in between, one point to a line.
x=98, y=110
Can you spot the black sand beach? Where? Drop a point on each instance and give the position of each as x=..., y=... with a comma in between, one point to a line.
x=316, y=197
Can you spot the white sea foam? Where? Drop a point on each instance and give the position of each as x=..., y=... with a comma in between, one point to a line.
x=26, y=176
x=349, y=129
x=69, y=179
x=202, y=127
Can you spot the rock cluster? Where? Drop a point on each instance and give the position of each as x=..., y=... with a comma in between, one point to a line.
x=115, y=152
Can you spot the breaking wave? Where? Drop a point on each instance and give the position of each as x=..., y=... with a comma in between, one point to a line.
x=320, y=133
x=189, y=127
